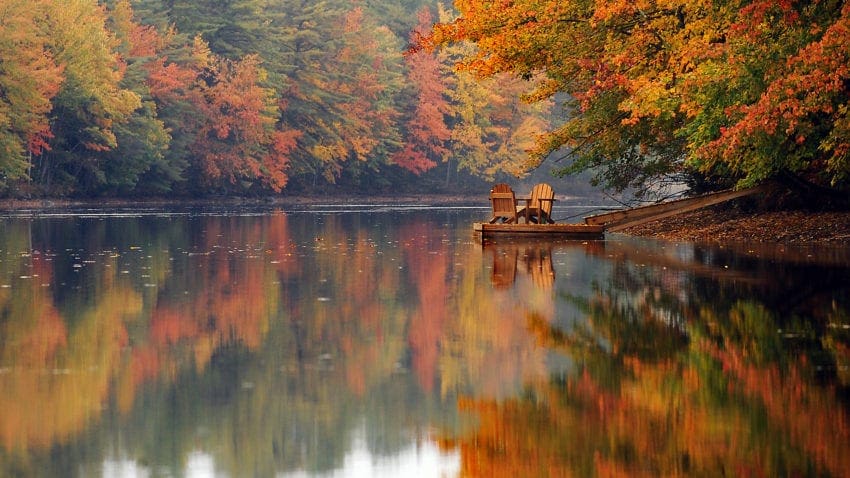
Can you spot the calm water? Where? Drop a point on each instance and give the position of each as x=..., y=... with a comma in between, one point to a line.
x=380, y=341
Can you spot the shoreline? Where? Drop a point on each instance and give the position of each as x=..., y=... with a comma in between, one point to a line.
x=52, y=203
x=727, y=223
x=733, y=225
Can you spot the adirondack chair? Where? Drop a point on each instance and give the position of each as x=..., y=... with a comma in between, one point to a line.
x=538, y=208
x=503, y=200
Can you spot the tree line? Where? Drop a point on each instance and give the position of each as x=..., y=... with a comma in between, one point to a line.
x=155, y=97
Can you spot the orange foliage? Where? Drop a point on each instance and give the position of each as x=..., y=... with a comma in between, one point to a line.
x=236, y=138
x=146, y=41
x=428, y=264
x=428, y=133
x=169, y=82
x=812, y=415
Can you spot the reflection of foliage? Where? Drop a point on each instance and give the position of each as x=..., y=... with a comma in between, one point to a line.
x=238, y=337
x=730, y=391
x=837, y=338
x=490, y=333
x=220, y=333
x=631, y=326
x=58, y=363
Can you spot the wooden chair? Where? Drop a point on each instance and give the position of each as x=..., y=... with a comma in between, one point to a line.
x=503, y=201
x=539, y=207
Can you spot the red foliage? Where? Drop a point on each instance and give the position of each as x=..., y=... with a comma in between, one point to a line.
x=428, y=133
x=170, y=82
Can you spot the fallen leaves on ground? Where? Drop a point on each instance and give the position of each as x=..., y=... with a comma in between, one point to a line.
x=719, y=224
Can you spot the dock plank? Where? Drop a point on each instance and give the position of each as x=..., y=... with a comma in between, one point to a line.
x=563, y=231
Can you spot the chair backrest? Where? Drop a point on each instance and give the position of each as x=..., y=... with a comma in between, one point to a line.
x=504, y=201
x=543, y=191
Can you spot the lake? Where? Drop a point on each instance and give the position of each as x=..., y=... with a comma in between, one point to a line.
x=381, y=340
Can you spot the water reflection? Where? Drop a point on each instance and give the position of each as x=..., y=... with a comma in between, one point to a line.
x=535, y=260
x=688, y=361
x=293, y=342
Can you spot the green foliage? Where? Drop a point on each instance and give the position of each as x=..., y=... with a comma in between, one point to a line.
x=142, y=142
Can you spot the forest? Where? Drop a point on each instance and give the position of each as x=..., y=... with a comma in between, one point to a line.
x=256, y=97
x=244, y=97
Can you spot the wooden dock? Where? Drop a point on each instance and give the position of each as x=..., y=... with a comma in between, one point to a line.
x=553, y=231
x=595, y=227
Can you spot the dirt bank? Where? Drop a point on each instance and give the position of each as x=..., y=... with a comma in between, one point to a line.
x=734, y=224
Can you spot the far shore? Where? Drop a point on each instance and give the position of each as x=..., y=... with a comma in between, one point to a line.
x=717, y=224
x=53, y=203
x=401, y=199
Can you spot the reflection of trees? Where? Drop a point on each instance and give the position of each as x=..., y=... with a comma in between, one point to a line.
x=58, y=362
x=220, y=333
x=333, y=360
x=221, y=295
x=281, y=355
x=427, y=258
x=675, y=378
x=229, y=335
x=490, y=332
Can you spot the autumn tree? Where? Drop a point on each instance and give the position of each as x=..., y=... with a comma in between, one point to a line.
x=29, y=79
x=793, y=120
x=428, y=135
x=489, y=128
x=738, y=91
x=92, y=100
x=237, y=140
x=223, y=119
x=140, y=160
x=119, y=97
x=302, y=46
x=361, y=77
x=171, y=79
